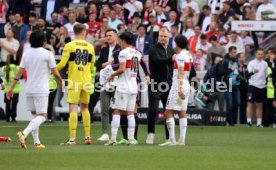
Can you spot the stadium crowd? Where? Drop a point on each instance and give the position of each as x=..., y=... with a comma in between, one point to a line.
x=231, y=58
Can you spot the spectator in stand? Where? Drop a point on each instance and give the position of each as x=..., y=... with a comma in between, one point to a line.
x=153, y=28
x=93, y=25
x=257, y=87
x=82, y=17
x=113, y=22
x=215, y=50
x=187, y=28
x=33, y=22
x=214, y=77
x=192, y=4
x=212, y=31
x=230, y=70
x=8, y=45
x=266, y=7
x=235, y=41
x=10, y=23
x=216, y=5
x=166, y=5
x=160, y=15
x=173, y=21
x=194, y=40
x=188, y=13
x=142, y=42
x=100, y=36
x=121, y=13
x=49, y=6
x=247, y=41
x=3, y=20
x=62, y=39
x=199, y=61
x=133, y=6
x=246, y=8
x=121, y=28
x=244, y=75
x=148, y=9
x=226, y=16
x=41, y=23
x=63, y=15
x=20, y=28
x=72, y=22
x=54, y=23
x=174, y=32
x=132, y=27
x=105, y=12
x=203, y=45
x=236, y=8
x=205, y=19
x=223, y=36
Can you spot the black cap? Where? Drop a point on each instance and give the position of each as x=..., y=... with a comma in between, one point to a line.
x=32, y=14
x=11, y=13
x=136, y=14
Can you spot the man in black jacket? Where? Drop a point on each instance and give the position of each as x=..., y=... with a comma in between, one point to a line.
x=161, y=58
x=108, y=55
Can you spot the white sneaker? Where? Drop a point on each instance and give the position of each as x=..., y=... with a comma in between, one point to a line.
x=150, y=139
x=111, y=143
x=274, y=125
x=168, y=143
x=180, y=143
x=104, y=137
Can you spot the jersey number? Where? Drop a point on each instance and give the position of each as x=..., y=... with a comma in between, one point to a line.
x=134, y=64
x=81, y=57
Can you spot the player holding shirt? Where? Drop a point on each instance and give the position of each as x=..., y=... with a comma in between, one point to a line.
x=80, y=56
x=180, y=90
x=125, y=95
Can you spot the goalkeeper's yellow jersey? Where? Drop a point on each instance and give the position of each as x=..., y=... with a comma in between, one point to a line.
x=80, y=56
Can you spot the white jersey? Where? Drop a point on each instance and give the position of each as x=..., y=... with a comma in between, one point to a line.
x=258, y=79
x=38, y=62
x=183, y=59
x=127, y=81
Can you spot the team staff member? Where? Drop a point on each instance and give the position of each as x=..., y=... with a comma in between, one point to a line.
x=161, y=69
x=257, y=87
x=80, y=56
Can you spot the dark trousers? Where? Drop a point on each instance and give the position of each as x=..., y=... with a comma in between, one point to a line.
x=269, y=113
x=124, y=126
x=2, y=31
x=216, y=96
x=94, y=98
x=51, y=100
x=154, y=99
x=243, y=104
x=232, y=104
x=11, y=107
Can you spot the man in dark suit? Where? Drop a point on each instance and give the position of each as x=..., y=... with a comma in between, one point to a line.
x=108, y=55
x=142, y=42
x=47, y=4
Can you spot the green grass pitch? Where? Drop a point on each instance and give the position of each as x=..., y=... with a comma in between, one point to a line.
x=208, y=148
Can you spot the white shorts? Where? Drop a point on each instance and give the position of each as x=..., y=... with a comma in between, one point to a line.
x=174, y=102
x=38, y=104
x=124, y=101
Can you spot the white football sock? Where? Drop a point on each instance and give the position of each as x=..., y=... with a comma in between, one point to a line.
x=249, y=120
x=183, y=128
x=35, y=134
x=259, y=121
x=34, y=124
x=171, y=127
x=114, y=126
x=131, y=126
